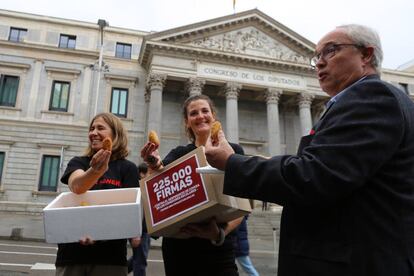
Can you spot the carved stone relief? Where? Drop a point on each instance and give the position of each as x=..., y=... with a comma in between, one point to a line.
x=252, y=42
x=195, y=86
x=232, y=90
x=272, y=95
x=305, y=100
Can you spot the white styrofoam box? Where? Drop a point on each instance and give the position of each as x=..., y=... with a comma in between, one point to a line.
x=110, y=214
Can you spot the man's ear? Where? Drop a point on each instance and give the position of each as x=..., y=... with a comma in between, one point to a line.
x=367, y=54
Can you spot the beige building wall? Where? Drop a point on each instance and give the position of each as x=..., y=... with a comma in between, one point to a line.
x=30, y=130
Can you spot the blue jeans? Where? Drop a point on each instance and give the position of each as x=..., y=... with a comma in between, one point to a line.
x=247, y=265
x=138, y=261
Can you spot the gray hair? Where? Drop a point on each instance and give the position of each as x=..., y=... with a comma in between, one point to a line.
x=366, y=36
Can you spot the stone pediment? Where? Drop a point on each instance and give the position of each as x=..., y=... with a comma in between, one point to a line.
x=250, y=41
x=251, y=36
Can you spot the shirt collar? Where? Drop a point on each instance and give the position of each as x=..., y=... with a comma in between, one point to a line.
x=335, y=98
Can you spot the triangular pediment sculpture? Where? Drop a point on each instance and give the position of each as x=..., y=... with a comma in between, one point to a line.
x=250, y=41
x=249, y=36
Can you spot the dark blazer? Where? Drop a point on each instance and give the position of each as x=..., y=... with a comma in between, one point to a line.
x=348, y=194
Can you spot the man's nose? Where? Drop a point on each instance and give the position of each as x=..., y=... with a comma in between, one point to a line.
x=320, y=63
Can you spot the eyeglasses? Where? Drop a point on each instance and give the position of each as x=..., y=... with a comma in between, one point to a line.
x=329, y=51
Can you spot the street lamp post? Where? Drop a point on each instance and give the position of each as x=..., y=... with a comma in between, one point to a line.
x=102, y=24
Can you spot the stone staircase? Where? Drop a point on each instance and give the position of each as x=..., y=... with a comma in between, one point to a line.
x=264, y=228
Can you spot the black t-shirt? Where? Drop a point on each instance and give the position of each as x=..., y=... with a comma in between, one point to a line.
x=121, y=173
x=196, y=256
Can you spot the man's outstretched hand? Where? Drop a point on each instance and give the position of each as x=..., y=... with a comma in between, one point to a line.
x=217, y=152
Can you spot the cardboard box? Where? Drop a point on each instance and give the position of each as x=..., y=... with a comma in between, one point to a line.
x=108, y=214
x=178, y=195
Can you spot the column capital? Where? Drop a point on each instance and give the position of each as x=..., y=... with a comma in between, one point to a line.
x=272, y=95
x=305, y=99
x=194, y=86
x=155, y=80
x=232, y=90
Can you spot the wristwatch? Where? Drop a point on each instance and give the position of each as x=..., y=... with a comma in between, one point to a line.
x=221, y=238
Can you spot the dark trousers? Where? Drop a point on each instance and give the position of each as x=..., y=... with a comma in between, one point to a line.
x=91, y=270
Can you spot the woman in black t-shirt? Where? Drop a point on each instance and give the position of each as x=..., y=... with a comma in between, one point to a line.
x=98, y=169
x=208, y=252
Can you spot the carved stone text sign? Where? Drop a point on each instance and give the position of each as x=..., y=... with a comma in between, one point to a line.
x=243, y=75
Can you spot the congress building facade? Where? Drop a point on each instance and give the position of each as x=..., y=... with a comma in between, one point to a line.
x=55, y=74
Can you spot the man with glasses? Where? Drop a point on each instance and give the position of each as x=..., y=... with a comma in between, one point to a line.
x=348, y=194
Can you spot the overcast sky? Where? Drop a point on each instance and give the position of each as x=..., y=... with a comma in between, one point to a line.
x=393, y=19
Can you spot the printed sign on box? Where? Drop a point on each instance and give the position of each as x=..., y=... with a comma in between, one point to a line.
x=177, y=195
x=177, y=190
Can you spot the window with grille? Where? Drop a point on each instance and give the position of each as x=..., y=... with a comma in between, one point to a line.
x=8, y=90
x=123, y=50
x=67, y=41
x=17, y=34
x=49, y=173
x=119, y=102
x=59, y=97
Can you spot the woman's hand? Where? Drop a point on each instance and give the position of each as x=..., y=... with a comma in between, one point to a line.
x=87, y=240
x=150, y=155
x=135, y=242
x=209, y=230
x=100, y=161
x=81, y=181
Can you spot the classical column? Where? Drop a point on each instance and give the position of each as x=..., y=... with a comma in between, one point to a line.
x=304, y=102
x=155, y=85
x=194, y=86
x=232, y=91
x=147, y=98
x=273, y=125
